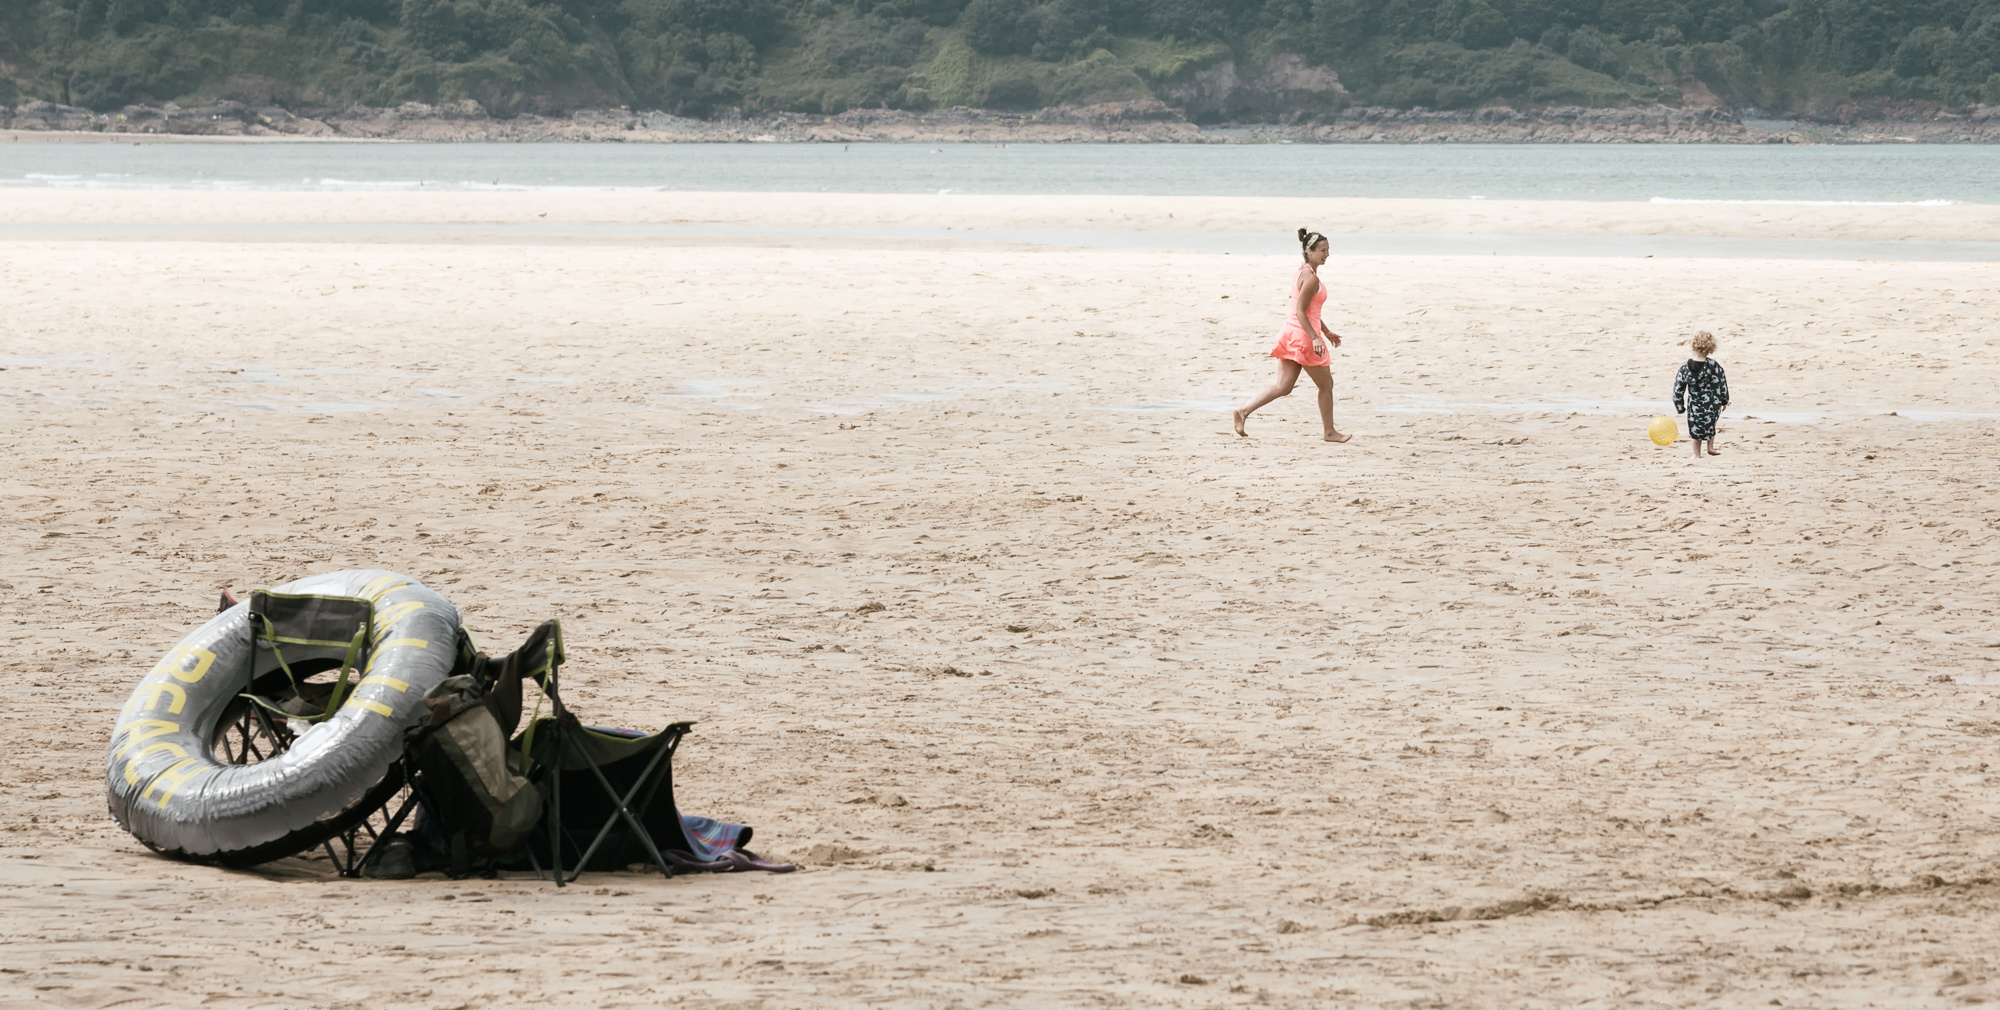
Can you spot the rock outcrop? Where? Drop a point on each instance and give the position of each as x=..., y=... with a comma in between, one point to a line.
x=1288, y=87
x=1658, y=124
x=50, y=116
x=1143, y=121
x=1147, y=121
x=1563, y=125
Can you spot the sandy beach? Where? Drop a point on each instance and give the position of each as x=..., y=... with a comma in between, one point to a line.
x=1499, y=705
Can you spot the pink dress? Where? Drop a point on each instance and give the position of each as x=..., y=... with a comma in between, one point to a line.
x=1294, y=343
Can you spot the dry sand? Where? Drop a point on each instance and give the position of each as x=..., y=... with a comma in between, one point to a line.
x=1498, y=705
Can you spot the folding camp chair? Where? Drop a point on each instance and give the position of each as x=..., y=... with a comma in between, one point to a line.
x=610, y=795
x=618, y=781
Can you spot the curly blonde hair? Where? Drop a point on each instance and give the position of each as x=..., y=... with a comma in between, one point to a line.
x=1703, y=343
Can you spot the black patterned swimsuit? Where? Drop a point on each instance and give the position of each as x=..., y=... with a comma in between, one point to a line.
x=1701, y=391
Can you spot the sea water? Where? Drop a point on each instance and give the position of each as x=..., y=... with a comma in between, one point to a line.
x=1763, y=173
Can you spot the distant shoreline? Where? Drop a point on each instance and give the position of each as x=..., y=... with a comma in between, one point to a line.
x=12, y=136
x=1124, y=122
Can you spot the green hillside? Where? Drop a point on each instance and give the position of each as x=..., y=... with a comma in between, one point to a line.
x=699, y=57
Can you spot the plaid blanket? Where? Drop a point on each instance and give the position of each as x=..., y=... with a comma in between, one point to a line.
x=711, y=840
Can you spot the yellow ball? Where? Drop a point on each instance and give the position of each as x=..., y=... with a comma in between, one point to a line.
x=1663, y=430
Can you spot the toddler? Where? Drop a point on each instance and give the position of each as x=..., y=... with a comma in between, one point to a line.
x=1701, y=391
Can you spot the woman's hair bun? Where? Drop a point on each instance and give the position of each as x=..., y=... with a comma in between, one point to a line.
x=1302, y=234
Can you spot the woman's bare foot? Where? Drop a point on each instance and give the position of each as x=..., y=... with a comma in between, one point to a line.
x=1240, y=417
x=1338, y=437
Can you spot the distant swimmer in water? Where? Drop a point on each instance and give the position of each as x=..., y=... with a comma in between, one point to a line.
x=1302, y=345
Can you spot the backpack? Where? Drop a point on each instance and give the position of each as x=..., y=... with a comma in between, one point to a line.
x=473, y=781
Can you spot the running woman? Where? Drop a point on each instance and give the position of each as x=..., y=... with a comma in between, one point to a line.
x=1303, y=344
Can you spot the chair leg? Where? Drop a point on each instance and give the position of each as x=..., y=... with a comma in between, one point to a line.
x=555, y=791
x=339, y=869
x=389, y=831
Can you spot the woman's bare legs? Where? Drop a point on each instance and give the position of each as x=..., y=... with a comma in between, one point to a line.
x=1322, y=376
x=1288, y=376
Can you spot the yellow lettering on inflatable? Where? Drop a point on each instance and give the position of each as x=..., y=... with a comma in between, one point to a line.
x=150, y=695
x=386, y=681
x=389, y=615
x=374, y=591
x=143, y=730
x=132, y=766
x=374, y=657
x=175, y=662
x=174, y=778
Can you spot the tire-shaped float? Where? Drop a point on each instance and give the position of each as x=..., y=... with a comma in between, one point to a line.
x=169, y=789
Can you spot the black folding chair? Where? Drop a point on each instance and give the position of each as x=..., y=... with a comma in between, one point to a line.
x=617, y=782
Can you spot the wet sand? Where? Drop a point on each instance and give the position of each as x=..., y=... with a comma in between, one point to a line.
x=807, y=211
x=1497, y=705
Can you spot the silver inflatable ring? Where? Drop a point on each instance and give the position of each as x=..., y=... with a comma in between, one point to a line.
x=165, y=782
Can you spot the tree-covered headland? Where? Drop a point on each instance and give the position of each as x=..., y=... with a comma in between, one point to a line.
x=700, y=57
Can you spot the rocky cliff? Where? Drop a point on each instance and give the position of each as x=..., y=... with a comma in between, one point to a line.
x=1287, y=86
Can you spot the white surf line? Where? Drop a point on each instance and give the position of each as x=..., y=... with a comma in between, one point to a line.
x=1807, y=203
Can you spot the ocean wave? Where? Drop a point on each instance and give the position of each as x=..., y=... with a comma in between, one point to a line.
x=362, y=184
x=464, y=185
x=1814, y=203
x=513, y=187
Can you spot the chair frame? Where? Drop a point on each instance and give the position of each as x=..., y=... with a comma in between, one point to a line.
x=351, y=860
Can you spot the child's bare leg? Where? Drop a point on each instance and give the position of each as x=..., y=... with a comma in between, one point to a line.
x=1697, y=446
x=1288, y=376
x=1322, y=376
